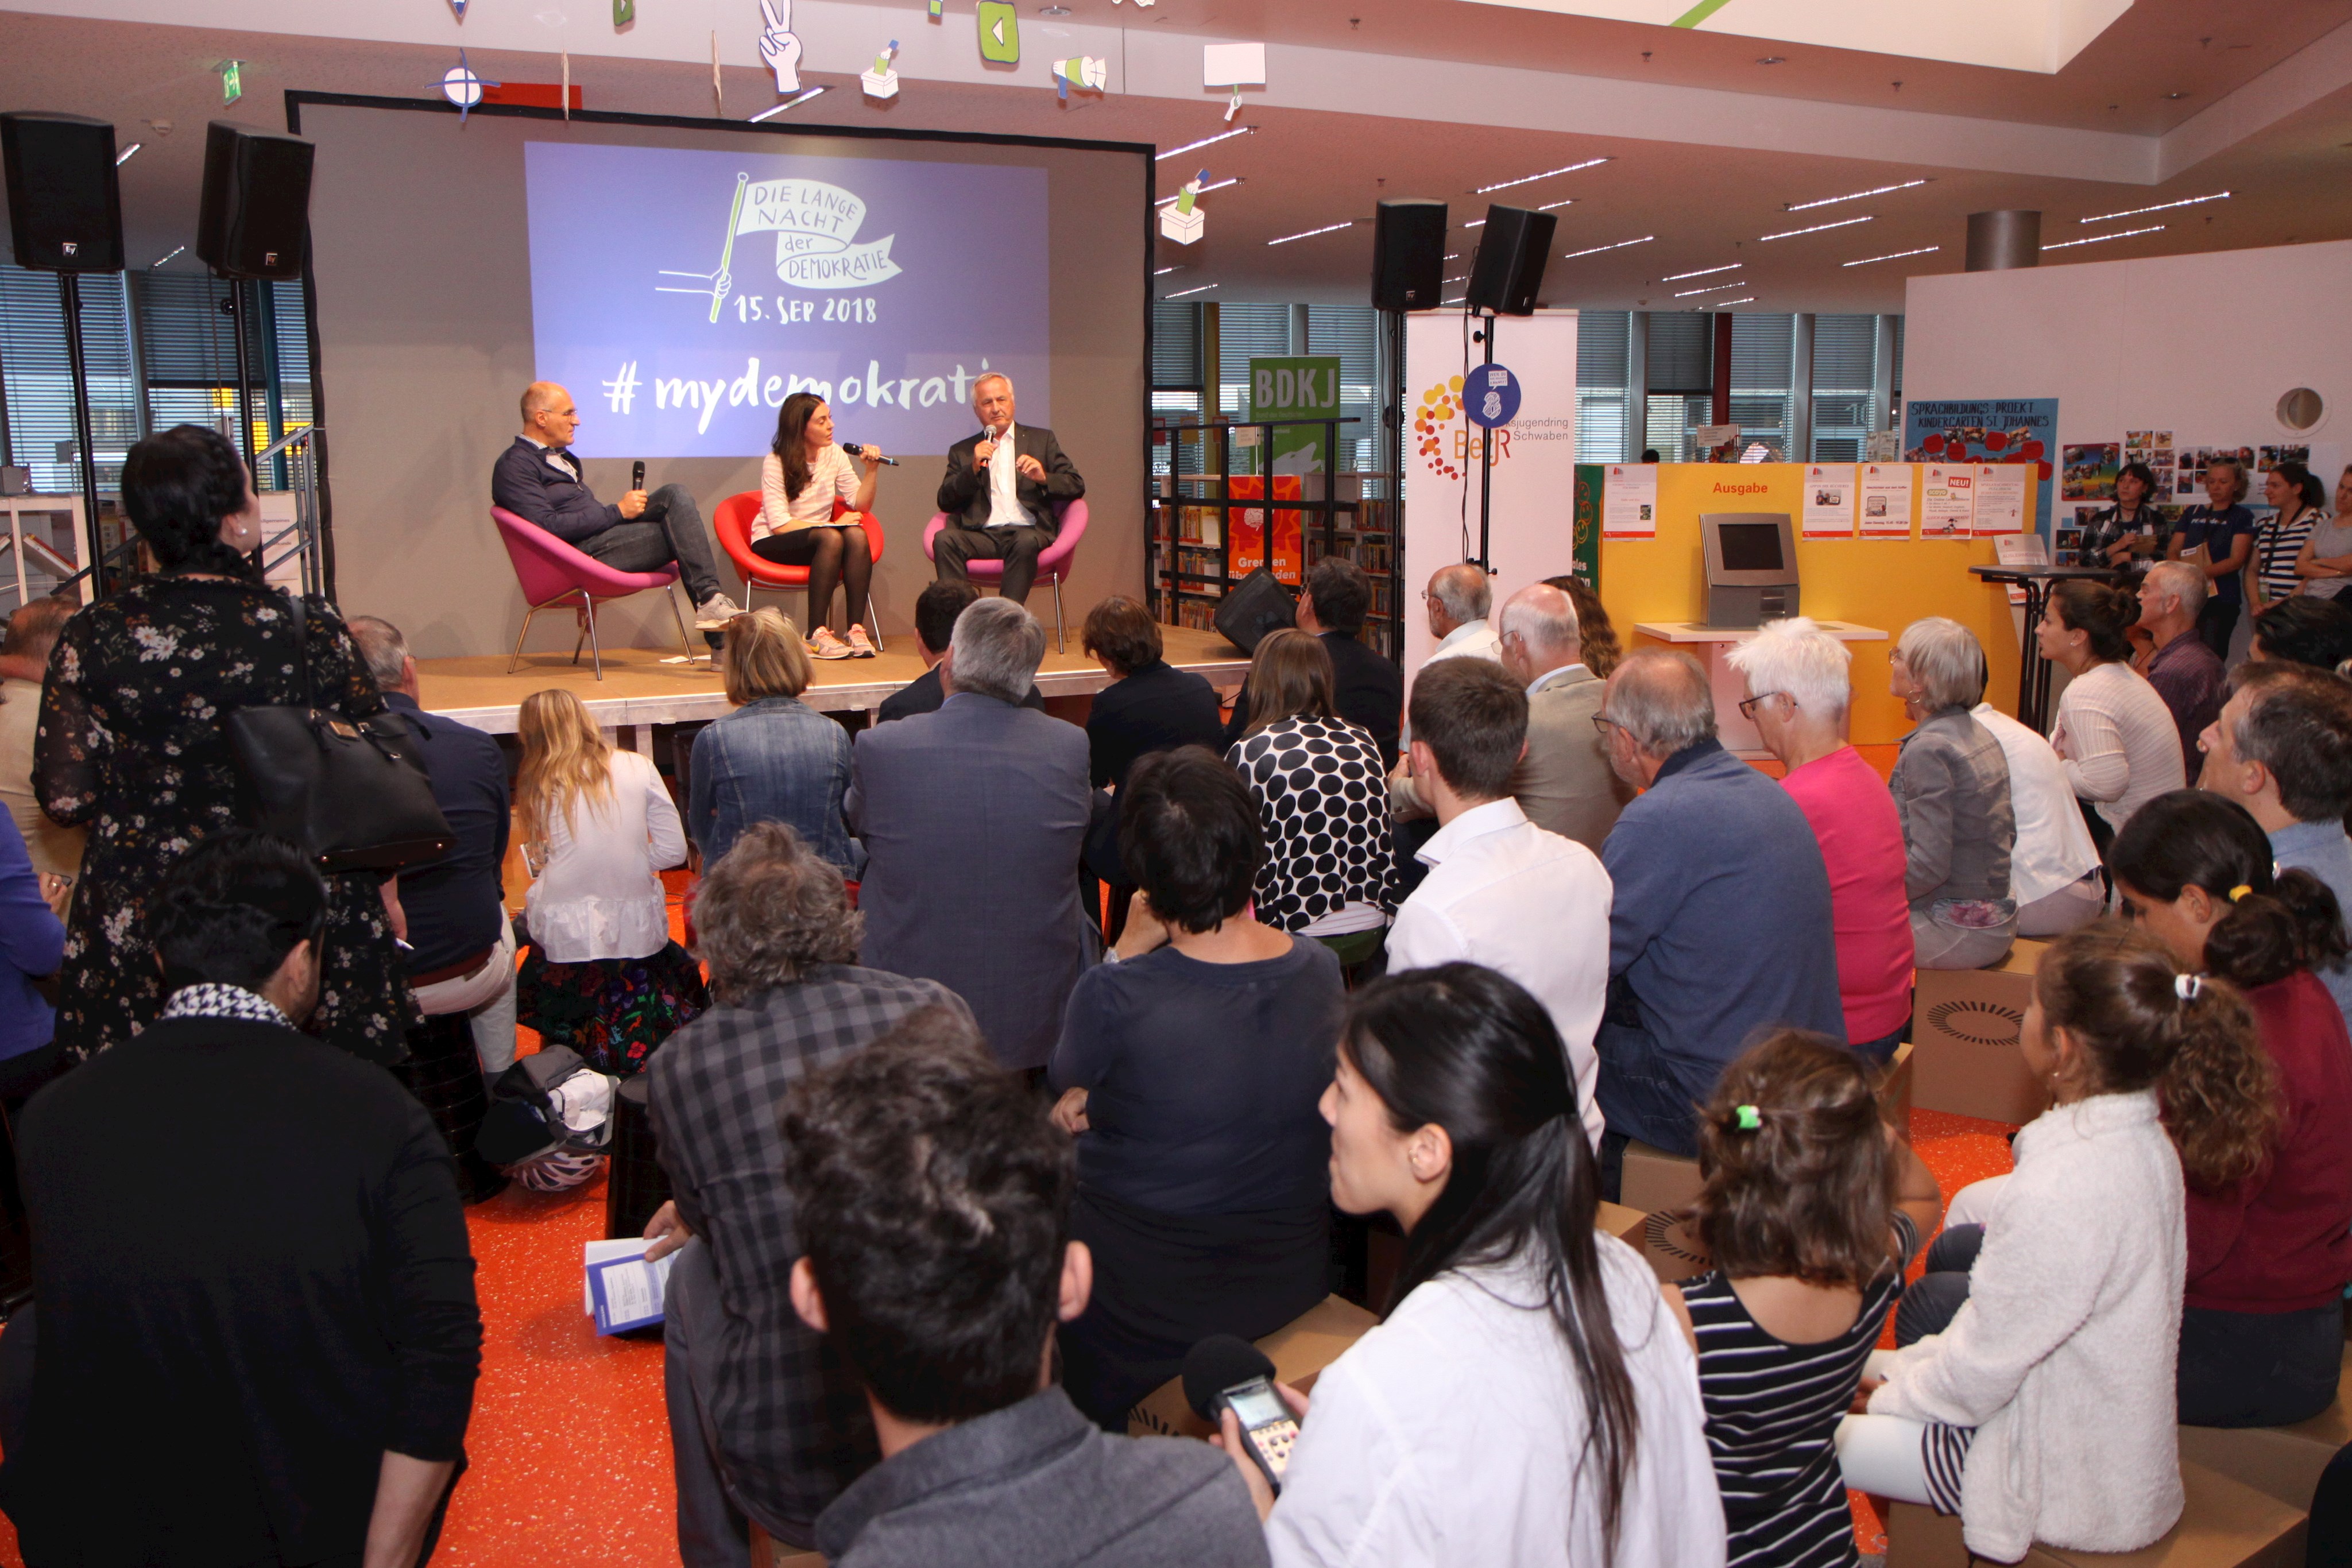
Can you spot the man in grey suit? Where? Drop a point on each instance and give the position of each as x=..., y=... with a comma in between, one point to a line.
x=1000, y=492
x=1563, y=782
x=973, y=819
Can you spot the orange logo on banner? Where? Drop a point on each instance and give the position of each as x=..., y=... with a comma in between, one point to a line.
x=1440, y=406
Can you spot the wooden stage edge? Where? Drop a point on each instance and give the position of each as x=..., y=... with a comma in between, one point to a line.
x=640, y=690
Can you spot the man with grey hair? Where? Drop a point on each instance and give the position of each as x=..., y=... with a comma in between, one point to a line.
x=1457, y=598
x=461, y=945
x=1003, y=492
x=1720, y=928
x=2184, y=670
x=973, y=818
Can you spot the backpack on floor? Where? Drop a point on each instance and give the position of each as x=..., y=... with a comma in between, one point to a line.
x=550, y=1120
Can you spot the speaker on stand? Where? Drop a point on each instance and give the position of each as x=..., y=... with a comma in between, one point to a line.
x=1408, y=274
x=254, y=224
x=1506, y=276
x=64, y=207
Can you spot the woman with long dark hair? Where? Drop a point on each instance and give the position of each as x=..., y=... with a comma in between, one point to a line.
x=2114, y=732
x=802, y=475
x=1529, y=1398
x=2130, y=533
x=2262, y=1337
x=2298, y=503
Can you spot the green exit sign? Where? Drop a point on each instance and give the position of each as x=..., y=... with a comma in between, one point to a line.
x=232, y=80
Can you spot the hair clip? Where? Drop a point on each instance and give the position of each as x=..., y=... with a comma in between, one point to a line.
x=1750, y=1118
x=2188, y=988
x=2240, y=892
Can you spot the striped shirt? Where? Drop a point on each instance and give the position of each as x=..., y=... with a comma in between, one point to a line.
x=1772, y=1413
x=2277, y=544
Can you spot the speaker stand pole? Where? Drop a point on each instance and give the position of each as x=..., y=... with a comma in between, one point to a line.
x=1486, y=463
x=70, y=299
x=238, y=324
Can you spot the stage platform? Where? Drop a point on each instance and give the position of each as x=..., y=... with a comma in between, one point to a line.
x=640, y=691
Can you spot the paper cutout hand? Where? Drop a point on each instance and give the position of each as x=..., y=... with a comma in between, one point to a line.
x=779, y=46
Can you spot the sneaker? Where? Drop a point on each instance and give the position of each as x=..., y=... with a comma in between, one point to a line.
x=713, y=613
x=825, y=646
x=859, y=643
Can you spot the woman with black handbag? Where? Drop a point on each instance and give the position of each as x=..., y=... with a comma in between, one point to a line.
x=134, y=743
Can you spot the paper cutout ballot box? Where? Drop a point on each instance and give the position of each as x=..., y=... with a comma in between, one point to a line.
x=1181, y=227
x=880, y=83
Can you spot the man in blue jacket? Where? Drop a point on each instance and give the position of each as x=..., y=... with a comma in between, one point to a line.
x=1719, y=930
x=538, y=479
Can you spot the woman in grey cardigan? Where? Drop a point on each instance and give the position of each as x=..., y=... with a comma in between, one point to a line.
x=1951, y=788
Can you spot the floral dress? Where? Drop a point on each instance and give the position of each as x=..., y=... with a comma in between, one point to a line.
x=131, y=745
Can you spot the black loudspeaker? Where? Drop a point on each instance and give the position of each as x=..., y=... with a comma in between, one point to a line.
x=1408, y=254
x=1256, y=605
x=1507, y=272
x=63, y=200
x=256, y=221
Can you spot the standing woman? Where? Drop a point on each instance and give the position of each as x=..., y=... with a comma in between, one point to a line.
x=2220, y=536
x=2129, y=534
x=602, y=974
x=1529, y=1398
x=131, y=743
x=800, y=478
x=2326, y=561
x=2114, y=732
x=2300, y=501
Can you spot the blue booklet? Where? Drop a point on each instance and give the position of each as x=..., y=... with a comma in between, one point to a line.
x=625, y=1291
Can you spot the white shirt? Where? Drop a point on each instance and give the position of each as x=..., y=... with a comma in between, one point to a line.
x=1004, y=485
x=1541, y=681
x=2118, y=741
x=599, y=896
x=831, y=473
x=2053, y=843
x=1470, y=640
x=1453, y=1435
x=1504, y=893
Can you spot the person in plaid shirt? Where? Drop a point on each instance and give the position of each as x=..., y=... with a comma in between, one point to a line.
x=781, y=1426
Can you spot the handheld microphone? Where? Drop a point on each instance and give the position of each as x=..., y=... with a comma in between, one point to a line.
x=989, y=433
x=1223, y=1373
x=860, y=451
x=637, y=476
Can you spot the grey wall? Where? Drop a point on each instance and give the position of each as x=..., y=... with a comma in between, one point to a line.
x=422, y=263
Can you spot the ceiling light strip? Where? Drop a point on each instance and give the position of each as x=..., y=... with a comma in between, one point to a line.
x=124, y=156
x=1712, y=288
x=1205, y=141
x=1597, y=249
x=2159, y=207
x=1565, y=202
x=1743, y=299
x=1894, y=255
x=1180, y=294
x=788, y=103
x=1203, y=191
x=2101, y=239
x=1850, y=196
x=1703, y=272
x=1817, y=228
x=1311, y=234
x=1531, y=179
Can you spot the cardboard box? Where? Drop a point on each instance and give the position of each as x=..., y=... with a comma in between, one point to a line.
x=1919, y=1537
x=1894, y=1089
x=1299, y=1349
x=2281, y=1462
x=1964, y=1025
x=2224, y=1525
x=1621, y=1220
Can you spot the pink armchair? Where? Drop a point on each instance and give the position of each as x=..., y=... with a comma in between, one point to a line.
x=1052, y=562
x=549, y=572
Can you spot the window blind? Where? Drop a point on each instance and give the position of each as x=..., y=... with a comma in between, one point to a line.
x=1682, y=351
x=1176, y=345
x=39, y=377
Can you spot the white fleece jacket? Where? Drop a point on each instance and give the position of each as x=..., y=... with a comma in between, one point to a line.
x=2064, y=1356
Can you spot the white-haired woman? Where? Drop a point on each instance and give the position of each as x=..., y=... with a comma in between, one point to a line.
x=1797, y=692
x=1951, y=786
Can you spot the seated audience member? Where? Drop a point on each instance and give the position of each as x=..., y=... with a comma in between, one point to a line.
x=1798, y=690
x=1190, y=1071
x=1596, y=637
x=2304, y=630
x=254, y=1290
x=1329, y=866
x=2270, y=1230
x=2114, y=732
x=1367, y=688
x=1811, y=1209
x=2325, y=563
x=24, y=665
x=2053, y=875
x=973, y=819
x=782, y=1430
x=932, y=1198
x=774, y=758
x=32, y=945
x=936, y=609
x=1720, y=922
x=2185, y=673
x=1951, y=785
x=1453, y=1112
x=602, y=975
x=461, y=945
x=2283, y=749
x=539, y=480
x=804, y=474
x=2043, y=1409
x=1458, y=599
x=1564, y=783
x=1501, y=891
x=1149, y=705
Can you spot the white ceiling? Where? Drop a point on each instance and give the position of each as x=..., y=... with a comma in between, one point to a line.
x=1369, y=98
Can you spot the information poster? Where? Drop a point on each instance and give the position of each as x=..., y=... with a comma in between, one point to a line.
x=1947, y=500
x=1829, y=500
x=2019, y=430
x=2001, y=499
x=1629, y=501
x=1291, y=388
x=1886, y=501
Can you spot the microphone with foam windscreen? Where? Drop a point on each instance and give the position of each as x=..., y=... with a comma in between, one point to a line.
x=857, y=450
x=1222, y=1373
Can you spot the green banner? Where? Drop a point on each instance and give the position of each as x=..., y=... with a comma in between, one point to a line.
x=1304, y=386
x=1587, y=549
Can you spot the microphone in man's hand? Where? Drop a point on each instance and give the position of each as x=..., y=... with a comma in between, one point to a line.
x=861, y=451
x=638, y=474
x=1222, y=1373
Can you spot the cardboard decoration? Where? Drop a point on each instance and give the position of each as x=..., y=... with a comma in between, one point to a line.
x=999, y=33
x=882, y=81
x=1182, y=220
x=1234, y=66
x=779, y=46
x=1085, y=74
x=461, y=87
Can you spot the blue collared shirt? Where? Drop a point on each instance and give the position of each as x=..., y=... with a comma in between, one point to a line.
x=2323, y=849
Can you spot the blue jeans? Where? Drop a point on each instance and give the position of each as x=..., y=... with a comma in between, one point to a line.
x=1642, y=1095
x=668, y=530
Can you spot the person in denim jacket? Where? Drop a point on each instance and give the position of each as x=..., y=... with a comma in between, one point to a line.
x=773, y=759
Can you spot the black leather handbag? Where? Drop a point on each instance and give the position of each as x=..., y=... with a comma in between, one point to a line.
x=352, y=794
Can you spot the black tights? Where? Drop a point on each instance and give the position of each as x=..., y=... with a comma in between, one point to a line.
x=832, y=554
